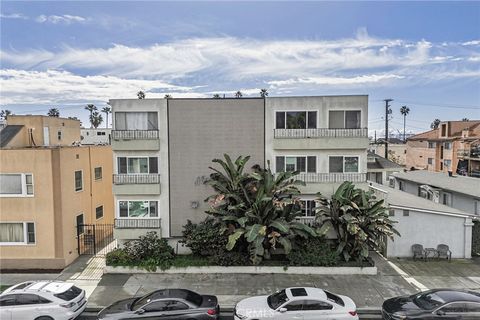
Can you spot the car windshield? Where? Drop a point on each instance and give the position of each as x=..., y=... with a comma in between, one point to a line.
x=277, y=299
x=334, y=298
x=194, y=298
x=70, y=294
x=428, y=300
x=137, y=304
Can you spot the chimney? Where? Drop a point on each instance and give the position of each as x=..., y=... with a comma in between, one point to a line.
x=465, y=133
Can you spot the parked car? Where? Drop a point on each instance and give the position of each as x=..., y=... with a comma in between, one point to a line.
x=42, y=300
x=166, y=304
x=434, y=304
x=297, y=303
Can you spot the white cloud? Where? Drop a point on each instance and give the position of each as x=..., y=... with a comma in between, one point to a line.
x=359, y=80
x=472, y=43
x=13, y=16
x=55, y=19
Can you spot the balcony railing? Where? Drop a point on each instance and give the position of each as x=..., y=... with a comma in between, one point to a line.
x=469, y=153
x=319, y=133
x=137, y=223
x=309, y=221
x=143, y=178
x=331, y=177
x=134, y=134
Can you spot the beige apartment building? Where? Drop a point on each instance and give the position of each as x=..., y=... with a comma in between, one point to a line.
x=49, y=185
x=453, y=147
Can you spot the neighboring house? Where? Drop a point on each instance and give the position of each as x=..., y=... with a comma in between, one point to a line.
x=420, y=221
x=454, y=146
x=89, y=136
x=163, y=148
x=397, y=150
x=49, y=190
x=379, y=169
x=459, y=192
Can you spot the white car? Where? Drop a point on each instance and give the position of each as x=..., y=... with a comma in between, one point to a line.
x=297, y=304
x=42, y=300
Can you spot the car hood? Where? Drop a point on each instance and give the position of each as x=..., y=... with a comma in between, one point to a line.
x=348, y=303
x=402, y=305
x=254, y=307
x=117, y=307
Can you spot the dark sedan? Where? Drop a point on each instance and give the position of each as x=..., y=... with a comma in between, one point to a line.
x=166, y=304
x=434, y=304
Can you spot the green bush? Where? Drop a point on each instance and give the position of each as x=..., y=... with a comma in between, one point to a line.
x=118, y=257
x=313, y=252
x=204, y=238
x=227, y=258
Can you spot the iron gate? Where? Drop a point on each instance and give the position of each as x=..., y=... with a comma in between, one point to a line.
x=94, y=238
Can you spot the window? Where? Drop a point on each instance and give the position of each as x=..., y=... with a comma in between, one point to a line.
x=294, y=305
x=444, y=130
x=447, y=163
x=401, y=186
x=100, y=133
x=296, y=163
x=59, y=135
x=78, y=180
x=17, y=233
x=344, y=119
x=176, y=305
x=430, y=161
x=99, y=212
x=25, y=299
x=138, y=209
x=391, y=182
x=447, y=145
x=308, y=208
x=98, y=173
x=310, y=305
x=136, y=121
x=456, y=307
x=391, y=213
x=16, y=184
x=80, y=223
x=431, y=145
x=133, y=165
x=8, y=300
x=472, y=307
x=406, y=213
x=156, y=306
x=296, y=119
x=341, y=164
x=447, y=199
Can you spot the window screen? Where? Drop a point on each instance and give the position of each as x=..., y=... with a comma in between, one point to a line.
x=296, y=119
x=312, y=119
x=279, y=164
x=10, y=184
x=336, y=120
x=280, y=120
x=301, y=164
x=352, y=119
x=335, y=164
x=312, y=164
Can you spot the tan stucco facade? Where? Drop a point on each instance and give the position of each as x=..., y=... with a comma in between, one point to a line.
x=54, y=205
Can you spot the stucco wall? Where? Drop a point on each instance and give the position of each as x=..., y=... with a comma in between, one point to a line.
x=417, y=155
x=199, y=131
x=430, y=230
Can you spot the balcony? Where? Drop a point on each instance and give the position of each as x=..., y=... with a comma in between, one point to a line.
x=309, y=221
x=136, y=184
x=133, y=228
x=320, y=138
x=135, y=140
x=331, y=177
x=472, y=153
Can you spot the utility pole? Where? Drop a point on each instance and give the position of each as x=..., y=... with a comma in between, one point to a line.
x=387, y=112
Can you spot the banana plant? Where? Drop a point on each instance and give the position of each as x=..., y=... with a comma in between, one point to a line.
x=361, y=222
x=258, y=207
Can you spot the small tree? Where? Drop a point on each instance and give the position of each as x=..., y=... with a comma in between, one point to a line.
x=435, y=124
x=359, y=220
x=465, y=119
x=216, y=96
x=96, y=119
x=141, y=95
x=238, y=94
x=263, y=93
x=106, y=110
x=404, y=110
x=5, y=113
x=53, y=112
x=167, y=96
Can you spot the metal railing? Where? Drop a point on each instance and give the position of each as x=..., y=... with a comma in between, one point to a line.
x=469, y=153
x=142, y=178
x=309, y=221
x=319, y=133
x=331, y=177
x=134, y=134
x=137, y=223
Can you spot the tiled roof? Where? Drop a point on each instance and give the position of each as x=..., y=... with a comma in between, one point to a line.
x=7, y=134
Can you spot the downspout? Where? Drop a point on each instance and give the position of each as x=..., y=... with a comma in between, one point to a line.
x=91, y=183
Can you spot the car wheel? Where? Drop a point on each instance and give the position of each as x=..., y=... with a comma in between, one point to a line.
x=44, y=318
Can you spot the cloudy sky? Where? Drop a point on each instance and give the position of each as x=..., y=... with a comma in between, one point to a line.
x=425, y=55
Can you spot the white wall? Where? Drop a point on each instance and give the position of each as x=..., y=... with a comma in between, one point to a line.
x=430, y=230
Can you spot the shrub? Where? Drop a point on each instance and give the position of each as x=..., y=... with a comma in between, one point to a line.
x=118, y=257
x=313, y=252
x=227, y=258
x=204, y=238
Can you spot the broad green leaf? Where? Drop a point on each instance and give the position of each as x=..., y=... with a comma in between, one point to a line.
x=232, y=239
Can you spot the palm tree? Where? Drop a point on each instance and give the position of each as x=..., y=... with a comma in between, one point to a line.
x=53, y=112
x=465, y=119
x=96, y=119
x=404, y=110
x=106, y=110
x=167, y=96
x=216, y=96
x=5, y=113
x=141, y=94
x=435, y=124
x=91, y=108
x=263, y=93
x=238, y=94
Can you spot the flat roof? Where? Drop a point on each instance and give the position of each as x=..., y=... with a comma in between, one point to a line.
x=234, y=98
x=407, y=200
x=461, y=184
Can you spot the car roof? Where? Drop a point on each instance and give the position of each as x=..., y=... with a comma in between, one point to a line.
x=53, y=287
x=299, y=293
x=171, y=293
x=451, y=295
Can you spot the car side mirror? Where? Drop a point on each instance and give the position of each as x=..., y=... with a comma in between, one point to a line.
x=140, y=311
x=440, y=313
x=282, y=310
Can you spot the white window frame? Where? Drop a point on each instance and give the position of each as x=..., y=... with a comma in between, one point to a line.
x=305, y=204
x=137, y=157
x=103, y=212
x=297, y=110
x=25, y=234
x=343, y=162
x=344, y=117
x=74, y=181
x=296, y=156
x=117, y=211
x=24, y=186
